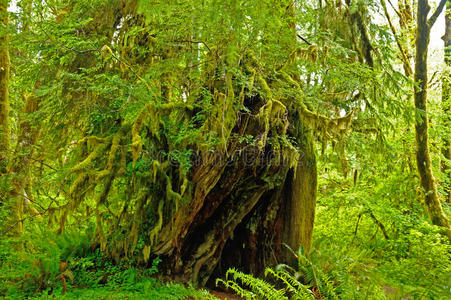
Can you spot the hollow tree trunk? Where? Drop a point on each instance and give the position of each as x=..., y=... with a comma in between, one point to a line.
x=255, y=204
x=4, y=86
x=255, y=194
x=446, y=102
x=284, y=216
x=242, y=211
x=421, y=125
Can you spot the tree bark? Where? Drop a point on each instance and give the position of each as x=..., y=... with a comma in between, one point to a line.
x=284, y=216
x=406, y=22
x=263, y=207
x=254, y=194
x=4, y=87
x=446, y=102
x=242, y=212
x=19, y=170
x=424, y=164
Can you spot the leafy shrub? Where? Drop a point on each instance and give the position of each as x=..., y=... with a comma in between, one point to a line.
x=375, y=240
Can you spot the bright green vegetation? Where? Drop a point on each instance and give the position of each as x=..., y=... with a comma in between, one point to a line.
x=67, y=267
x=271, y=149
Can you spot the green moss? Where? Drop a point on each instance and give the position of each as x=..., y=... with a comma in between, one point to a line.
x=86, y=163
x=113, y=150
x=153, y=235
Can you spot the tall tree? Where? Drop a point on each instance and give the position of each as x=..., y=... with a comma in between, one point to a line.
x=446, y=102
x=4, y=87
x=197, y=143
x=14, y=208
x=424, y=25
x=19, y=167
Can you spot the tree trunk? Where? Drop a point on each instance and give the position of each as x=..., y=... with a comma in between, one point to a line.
x=421, y=124
x=245, y=202
x=236, y=205
x=242, y=211
x=4, y=87
x=406, y=22
x=283, y=217
x=19, y=170
x=251, y=210
x=446, y=102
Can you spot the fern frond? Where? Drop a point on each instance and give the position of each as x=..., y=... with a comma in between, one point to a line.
x=257, y=286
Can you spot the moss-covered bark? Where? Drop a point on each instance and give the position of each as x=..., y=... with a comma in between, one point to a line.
x=446, y=102
x=424, y=164
x=251, y=183
x=283, y=216
x=19, y=169
x=237, y=210
x=246, y=217
x=4, y=87
x=302, y=203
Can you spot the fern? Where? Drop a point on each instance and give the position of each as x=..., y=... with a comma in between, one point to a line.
x=250, y=287
x=237, y=288
x=311, y=274
x=254, y=288
x=293, y=286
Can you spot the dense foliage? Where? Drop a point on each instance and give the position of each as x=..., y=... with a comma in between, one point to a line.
x=270, y=148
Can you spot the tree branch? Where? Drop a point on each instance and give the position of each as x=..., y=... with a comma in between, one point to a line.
x=408, y=67
x=194, y=42
x=381, y=226
x=394, y=8
x=436, y=13
x=32, y=216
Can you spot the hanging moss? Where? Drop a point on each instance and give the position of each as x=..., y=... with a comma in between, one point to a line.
x=267, y=93
x=170, y=194
x=100, y=233
x=154, y=232
x=184, y=185
x=123, y=161
x=323, y=126
x=136, y=137
x=146, y=253
x=273, y=114
x=86, y=163
x=113, y=150
x=105, y=189
x=74, y=190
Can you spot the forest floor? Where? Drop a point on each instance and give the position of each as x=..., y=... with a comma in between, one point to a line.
x=155, y=291
x=224, y=296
